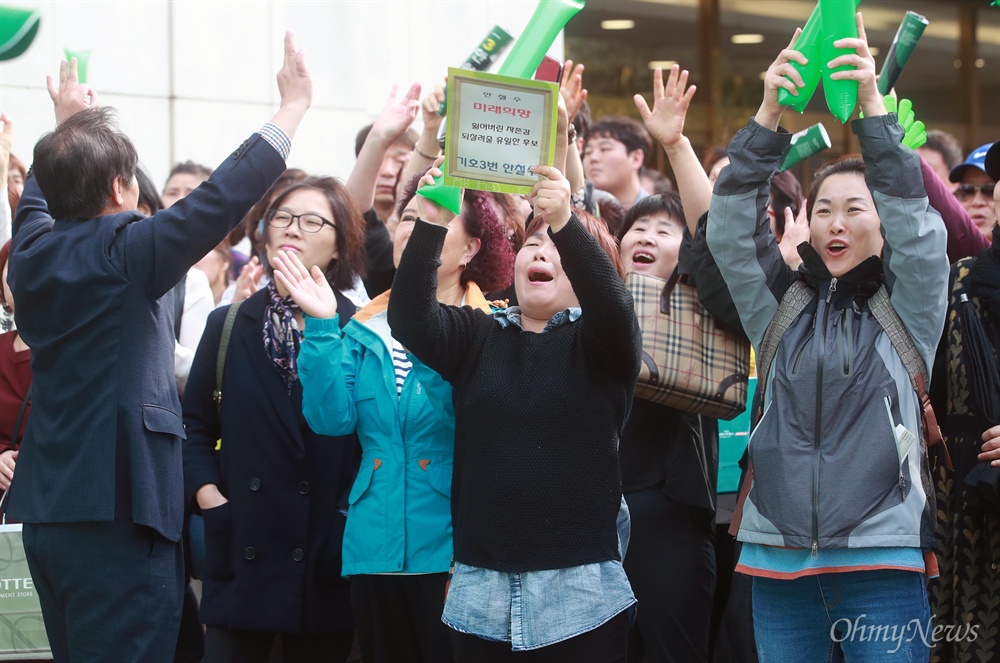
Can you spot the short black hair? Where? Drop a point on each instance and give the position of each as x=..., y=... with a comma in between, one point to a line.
x=77, y=164
x=631, y=133
x=657, y=203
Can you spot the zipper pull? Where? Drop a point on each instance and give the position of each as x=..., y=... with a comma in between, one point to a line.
x=815, y=549
x=833, y=289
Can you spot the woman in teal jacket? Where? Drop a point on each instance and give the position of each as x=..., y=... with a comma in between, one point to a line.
x=398, y=541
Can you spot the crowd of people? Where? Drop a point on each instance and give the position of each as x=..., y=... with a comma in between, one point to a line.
x=375, y=427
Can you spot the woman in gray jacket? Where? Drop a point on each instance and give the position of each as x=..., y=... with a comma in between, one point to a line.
x=838, y=515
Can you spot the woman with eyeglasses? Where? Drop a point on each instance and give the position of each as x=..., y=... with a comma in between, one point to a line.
x=272, y=490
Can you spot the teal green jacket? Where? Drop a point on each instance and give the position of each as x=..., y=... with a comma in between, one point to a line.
x=399, y=515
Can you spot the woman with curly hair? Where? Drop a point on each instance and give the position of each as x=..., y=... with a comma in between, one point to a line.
x=398, y=542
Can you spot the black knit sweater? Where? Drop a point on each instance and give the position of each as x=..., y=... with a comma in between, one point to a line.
x=536, y=482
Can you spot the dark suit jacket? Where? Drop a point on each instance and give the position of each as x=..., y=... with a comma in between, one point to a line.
x=104, y=439
x=274, y=550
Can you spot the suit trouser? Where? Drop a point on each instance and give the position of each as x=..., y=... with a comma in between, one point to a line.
x=110, y=591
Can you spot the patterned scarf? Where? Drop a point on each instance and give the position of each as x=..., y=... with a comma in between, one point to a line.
x=282, y=335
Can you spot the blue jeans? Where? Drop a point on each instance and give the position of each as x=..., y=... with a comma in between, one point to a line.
x=871, y=616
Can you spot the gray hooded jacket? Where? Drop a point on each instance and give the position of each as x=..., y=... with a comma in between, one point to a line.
x=838, y=455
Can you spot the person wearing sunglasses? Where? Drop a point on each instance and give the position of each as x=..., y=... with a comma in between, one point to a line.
x=975, y=189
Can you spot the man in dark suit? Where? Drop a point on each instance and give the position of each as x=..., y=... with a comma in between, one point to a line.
x=99, y=483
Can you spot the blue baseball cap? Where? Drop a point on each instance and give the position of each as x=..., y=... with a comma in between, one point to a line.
x=976, y=159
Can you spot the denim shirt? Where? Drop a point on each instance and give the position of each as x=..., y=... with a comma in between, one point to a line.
x=538, y=608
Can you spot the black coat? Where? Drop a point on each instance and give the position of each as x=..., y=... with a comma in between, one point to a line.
x=274, y=551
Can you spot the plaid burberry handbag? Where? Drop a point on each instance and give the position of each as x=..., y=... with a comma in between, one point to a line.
x=688, y=363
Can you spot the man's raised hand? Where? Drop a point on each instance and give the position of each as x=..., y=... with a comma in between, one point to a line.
x=70, y=97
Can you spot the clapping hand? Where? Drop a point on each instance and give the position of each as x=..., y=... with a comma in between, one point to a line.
x=308, y=288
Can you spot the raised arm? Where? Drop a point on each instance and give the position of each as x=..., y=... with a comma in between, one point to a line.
x=427, y=149
x=574, y=95
x=665, y=123
x=914, y=254
x=439, y=335
x=156, y=252
x=391, y=123
x=738, y=230
x=610, y=329
x=964, y=237
x=6, y=136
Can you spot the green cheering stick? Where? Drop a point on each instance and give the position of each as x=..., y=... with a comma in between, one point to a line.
x=806, y=144
x=838, y=23
x=18, y=28
x=909, y=33
x=82, y=62
x=808, y=44
x=484, y=56
x=549, y=18
x=448, y=197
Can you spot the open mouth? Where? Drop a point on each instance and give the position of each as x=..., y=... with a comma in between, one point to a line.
x=836, y=248
x=538, y=276
x=643, y=258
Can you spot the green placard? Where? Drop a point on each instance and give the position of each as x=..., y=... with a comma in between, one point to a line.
x=22, y=632
x=498, y=128
x=733, y=437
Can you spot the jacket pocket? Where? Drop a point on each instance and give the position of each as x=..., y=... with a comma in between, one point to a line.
x=158, y=419
x=440, y=479
x=904, y=442
x=363, y=480
x=219, y=542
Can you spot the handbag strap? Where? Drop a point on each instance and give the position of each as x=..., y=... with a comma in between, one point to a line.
x=220, y=360
x=15, y=436
x=668, y=289
x=904, y=346
x=793, y=302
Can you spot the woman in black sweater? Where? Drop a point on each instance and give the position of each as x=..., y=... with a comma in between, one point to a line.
x=541, y=393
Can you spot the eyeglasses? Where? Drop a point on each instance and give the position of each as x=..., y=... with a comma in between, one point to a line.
x=308, y=223
x=966, y=192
